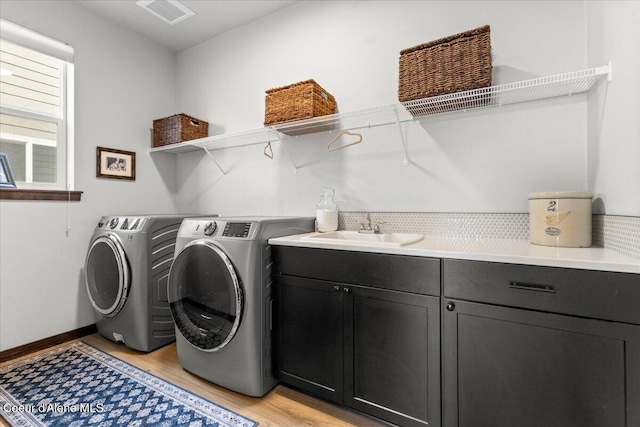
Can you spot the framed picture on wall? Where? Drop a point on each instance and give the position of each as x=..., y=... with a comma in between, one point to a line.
x=6, y=176
x=117, y=164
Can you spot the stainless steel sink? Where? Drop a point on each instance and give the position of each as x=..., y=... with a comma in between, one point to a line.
x=363, y=239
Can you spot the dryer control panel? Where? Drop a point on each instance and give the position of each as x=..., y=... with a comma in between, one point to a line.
x=121, y=223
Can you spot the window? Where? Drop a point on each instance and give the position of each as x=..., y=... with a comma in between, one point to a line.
x=36, y=108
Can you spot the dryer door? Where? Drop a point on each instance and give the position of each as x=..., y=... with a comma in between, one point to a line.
x=205, y=295
x=107, y=275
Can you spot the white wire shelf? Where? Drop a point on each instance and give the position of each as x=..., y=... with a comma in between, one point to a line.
x=493, y=96
x=367, y=118
x=220, y=142
x=512, y=93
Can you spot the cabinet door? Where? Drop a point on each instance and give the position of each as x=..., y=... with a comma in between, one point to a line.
x=309, y=333
x=507, y=367
x=392, y=355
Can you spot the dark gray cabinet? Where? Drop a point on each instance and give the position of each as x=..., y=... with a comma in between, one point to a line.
x=390, y=338
x=309, y=332
x=370, y=346
x=509, y=361
x=511, y=345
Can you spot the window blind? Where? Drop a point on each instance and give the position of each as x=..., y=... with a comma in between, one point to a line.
x=36, y=41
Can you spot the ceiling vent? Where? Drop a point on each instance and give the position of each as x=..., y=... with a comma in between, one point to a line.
x=170, y=11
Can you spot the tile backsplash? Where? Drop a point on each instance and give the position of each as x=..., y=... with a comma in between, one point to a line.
x=454, y=225
x=617, y=233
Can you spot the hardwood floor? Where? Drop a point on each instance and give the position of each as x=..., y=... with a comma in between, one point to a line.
x=281, y=407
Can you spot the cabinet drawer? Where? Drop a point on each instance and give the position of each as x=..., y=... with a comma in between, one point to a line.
x=396, y=272
x=596, y=294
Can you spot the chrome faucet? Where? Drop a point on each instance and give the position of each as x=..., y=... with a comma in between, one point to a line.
x=368, y=228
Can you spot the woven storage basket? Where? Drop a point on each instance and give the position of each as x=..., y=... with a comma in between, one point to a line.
x=456, y=63
x=298, y=101
x=178, y=128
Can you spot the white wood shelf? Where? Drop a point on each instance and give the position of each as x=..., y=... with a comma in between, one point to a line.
x=529, y=90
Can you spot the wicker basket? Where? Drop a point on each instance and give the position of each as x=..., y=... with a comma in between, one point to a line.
x=298, y=101
x=456, y=63
x=178, y=128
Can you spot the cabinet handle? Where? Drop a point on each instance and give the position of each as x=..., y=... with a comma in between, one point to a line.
x=336, y=288
x=346, y=290
x=531, y=287
x=451, y=306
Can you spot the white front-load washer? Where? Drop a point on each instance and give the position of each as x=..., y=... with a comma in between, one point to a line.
x=126, y=275
x=221, y=298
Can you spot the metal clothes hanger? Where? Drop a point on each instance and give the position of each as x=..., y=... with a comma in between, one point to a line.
x=270, y=153
x=343, y=132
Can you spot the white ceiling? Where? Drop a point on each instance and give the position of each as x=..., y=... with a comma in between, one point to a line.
x=212, y=17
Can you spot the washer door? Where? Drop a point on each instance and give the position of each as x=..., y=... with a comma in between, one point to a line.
x=205, y=295
x=107, y=275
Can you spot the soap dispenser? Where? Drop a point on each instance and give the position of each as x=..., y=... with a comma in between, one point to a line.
x=327, y=211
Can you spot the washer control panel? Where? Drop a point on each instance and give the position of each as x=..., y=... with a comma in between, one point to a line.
x=237, y=229
x=211, y=228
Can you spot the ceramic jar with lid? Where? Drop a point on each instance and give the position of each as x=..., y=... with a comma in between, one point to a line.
x=560, y=218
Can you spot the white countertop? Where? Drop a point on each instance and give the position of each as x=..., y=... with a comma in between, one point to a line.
x=493, y=250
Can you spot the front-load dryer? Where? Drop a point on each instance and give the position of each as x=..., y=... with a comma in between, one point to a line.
x=126, y=274
x=221, y=297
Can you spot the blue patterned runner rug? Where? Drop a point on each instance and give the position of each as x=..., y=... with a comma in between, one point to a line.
x=79, y=385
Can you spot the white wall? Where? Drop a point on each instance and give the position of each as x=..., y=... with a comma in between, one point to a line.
x=613, y=33
x=123, y=81
x=486, y=161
